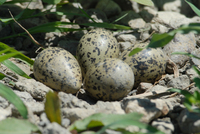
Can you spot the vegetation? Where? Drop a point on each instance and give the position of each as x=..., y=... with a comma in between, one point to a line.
x=96, y=123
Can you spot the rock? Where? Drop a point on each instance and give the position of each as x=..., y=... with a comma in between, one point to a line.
x=195, y=60
x=55, y=128
x=180, y=43
x=180, y=82
x=143, y=87
x=3, y=102
x=176, y=23
x=125, y=4
x=37, y=4
x=130, y=15
x=126, y=38
x=5, y=113
x=189, y=120
x=172, y=6
x=165, y=125
x=71, y=7
x=69, y=45
x=109, y=7
x=36, y=89
x=137, y=23
x=124, y=45
x=151, y=109
x=86, y=4
x=71, y=101
x=167, y=16
x=191, y=73
x=96, y=14
x=43, y=120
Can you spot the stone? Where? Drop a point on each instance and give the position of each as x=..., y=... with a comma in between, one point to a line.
x=5, y=113
x=191, y=73
x=36, y=89
x=109, y=7
x=151, y=109
x=71, y=101
x=143, y=87
x=130, y=15
x=172, y=6
x=126, y=38
x=180, y=82
x=189, y=120
x=3, y=102
x=43, y=120
x=55, y=128
x=165, y=125
x=137, y=23
x=195, y=60
x=180, y=43
x=96, y=14
x=124, y=45
x=69, y=45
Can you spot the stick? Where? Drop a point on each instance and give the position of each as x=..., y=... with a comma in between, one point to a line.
x=24, y=29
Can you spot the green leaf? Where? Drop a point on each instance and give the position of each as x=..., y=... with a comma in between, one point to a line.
x=19, y=55
x=2, y=76
x=160, y=40
x=15, y=68
x=101, y=119
x=124, y=123
x=144, y=2
x=7, y=56
x=17, y=126
x=196, y=70
x=136, y=50
x=197, y=82
x=184, y=53
x=52, y=1
x=194, y=8
x=52, y=107
x=188, y=95
x=8, y=94
x=2, y=1
x=107, y=25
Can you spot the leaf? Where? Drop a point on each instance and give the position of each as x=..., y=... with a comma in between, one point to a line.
x=188, y=95
x=15, y=68
x=196, y=70
x=107, y=25
x=160, y=40
x=52, y=1
x=194, y=8
x=17, y=126
x=9, y=95
x=52, y=107
x=19, y=55
x=101, y=119
x=2, y=1
x=7, y=56
x=136, y=50
x=124, y=123
x=144, y=2
x=197, y=82
x=2, y=76
x=184, y=53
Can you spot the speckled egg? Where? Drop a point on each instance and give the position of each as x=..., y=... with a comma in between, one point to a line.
x=109, y=79
x=97, y=44
x=148, y=65
x=58, y=69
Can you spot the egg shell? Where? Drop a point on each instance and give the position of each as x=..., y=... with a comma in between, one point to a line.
x=97, y=44
x=109, y=79
x=58, y=69
x=148, y=65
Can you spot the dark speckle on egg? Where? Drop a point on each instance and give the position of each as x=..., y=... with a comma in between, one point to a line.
x=58, y=69
x=97, y=44
x=109, y=79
